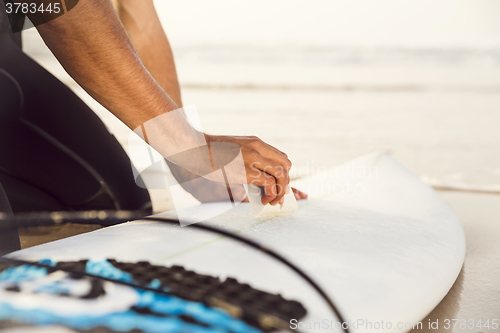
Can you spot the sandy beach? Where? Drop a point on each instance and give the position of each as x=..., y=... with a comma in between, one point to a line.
x=433, y=102
x=476, y=293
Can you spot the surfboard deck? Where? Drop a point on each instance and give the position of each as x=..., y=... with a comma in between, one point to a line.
x=385, y=248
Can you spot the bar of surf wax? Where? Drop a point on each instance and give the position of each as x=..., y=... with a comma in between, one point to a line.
x=255, y=192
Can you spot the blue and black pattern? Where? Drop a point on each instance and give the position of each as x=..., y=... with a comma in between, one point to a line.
x=188, y=302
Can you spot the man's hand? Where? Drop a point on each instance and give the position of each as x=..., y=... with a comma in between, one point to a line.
x=265, y=165
x=206, y=190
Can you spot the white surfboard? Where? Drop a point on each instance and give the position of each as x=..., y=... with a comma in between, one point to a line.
x=381, y=243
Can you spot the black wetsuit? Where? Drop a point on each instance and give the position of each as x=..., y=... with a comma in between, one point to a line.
x=55, y=153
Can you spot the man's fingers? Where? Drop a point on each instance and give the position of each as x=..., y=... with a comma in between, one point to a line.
x=268, y=183
x=277, y=171
x=271, y=153
x=279, y=157
x=299, y=194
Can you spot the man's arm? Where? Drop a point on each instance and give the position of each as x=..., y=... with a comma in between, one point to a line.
x=144, y=28
x=94, y=48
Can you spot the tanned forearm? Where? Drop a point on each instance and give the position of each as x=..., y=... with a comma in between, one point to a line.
x=144, y=28
x=93, y=47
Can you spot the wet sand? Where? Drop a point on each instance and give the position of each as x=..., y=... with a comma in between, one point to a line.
x=476, y=293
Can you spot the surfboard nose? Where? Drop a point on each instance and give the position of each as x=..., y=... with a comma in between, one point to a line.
x=11, y=98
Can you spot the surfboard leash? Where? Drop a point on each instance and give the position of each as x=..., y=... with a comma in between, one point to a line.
x=108, y=218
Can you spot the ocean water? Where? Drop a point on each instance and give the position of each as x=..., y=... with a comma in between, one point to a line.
x=327, y=81
x=413, y=24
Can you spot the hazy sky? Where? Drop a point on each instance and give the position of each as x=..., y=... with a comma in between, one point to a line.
x=400, y=23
